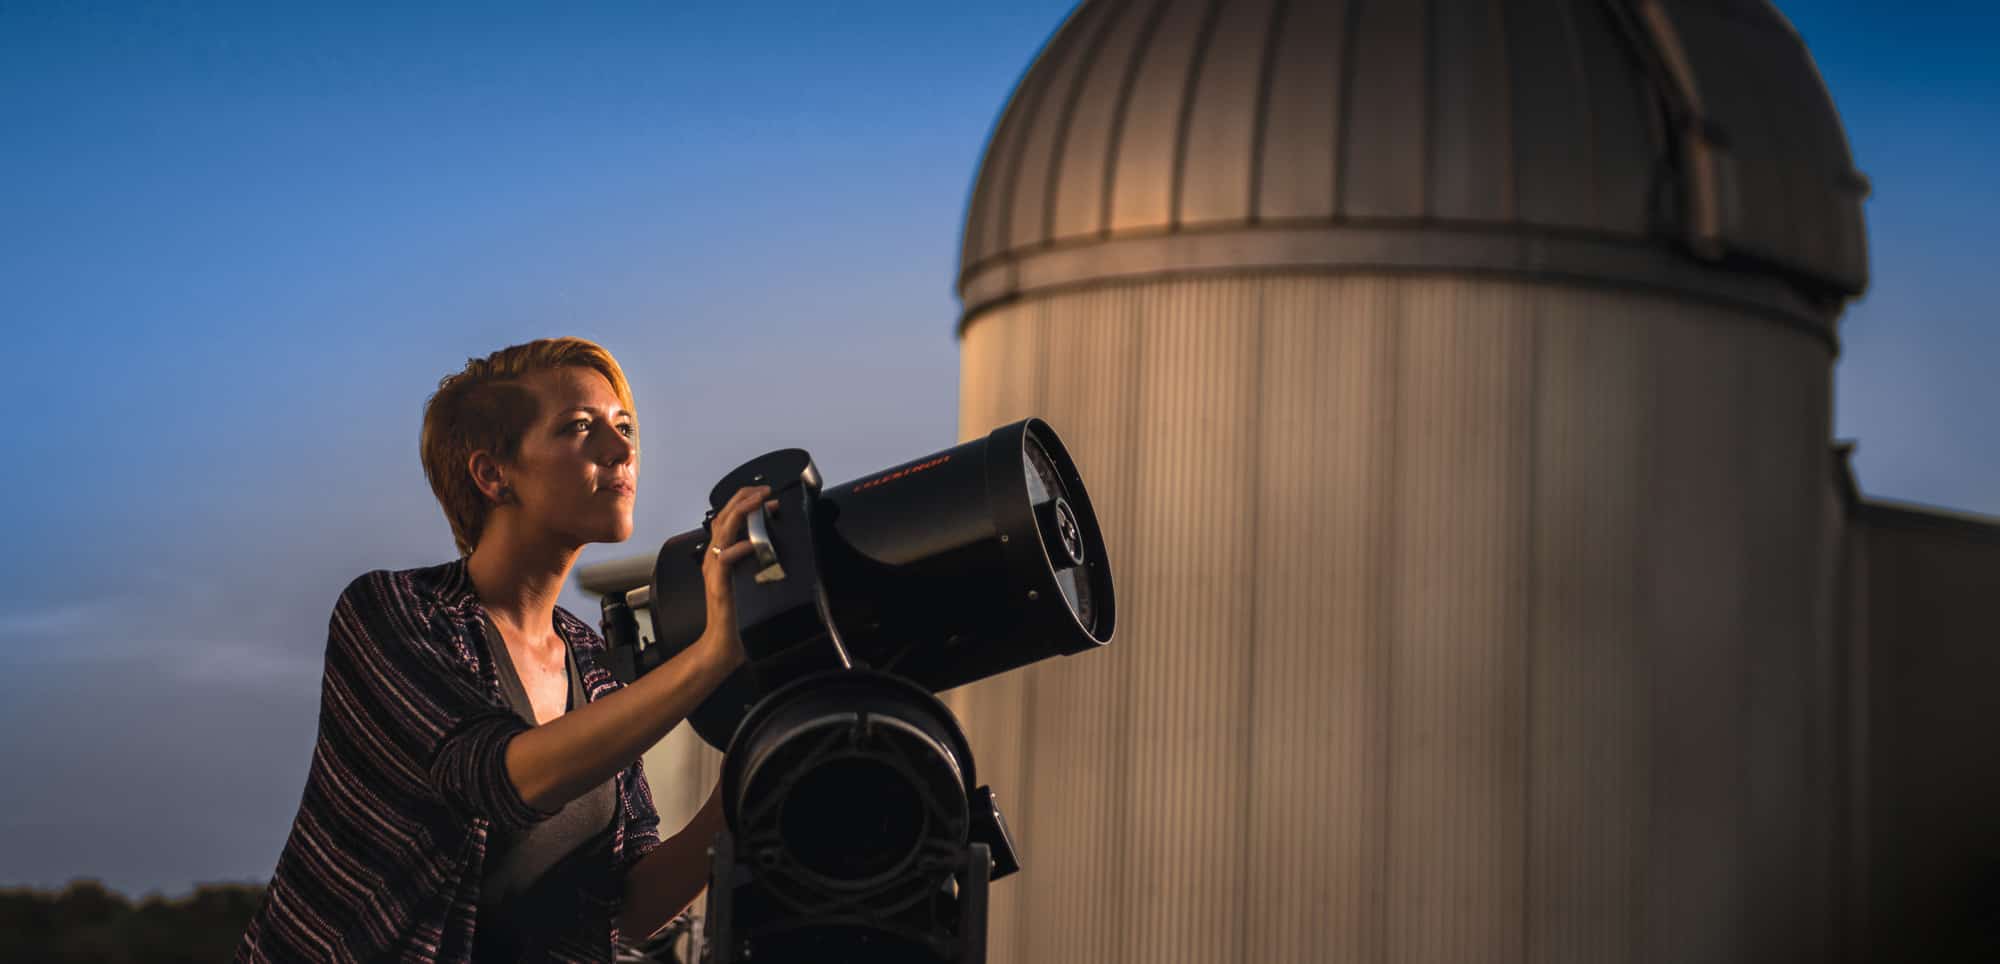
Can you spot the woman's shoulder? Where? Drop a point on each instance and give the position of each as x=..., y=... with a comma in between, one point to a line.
x=422, y=589
x=414, y=632
x=428, y=609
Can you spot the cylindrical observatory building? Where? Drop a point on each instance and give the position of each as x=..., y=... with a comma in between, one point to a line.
x=1454, y=381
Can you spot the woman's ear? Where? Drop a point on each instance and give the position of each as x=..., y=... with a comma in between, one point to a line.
x=487, y=476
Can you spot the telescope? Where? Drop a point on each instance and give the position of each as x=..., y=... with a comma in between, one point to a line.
x=857, y=829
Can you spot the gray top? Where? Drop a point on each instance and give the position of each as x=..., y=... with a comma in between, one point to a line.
x=1355, y=134
x=525, y=871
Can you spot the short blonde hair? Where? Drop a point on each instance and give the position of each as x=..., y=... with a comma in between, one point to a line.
x=485, y=406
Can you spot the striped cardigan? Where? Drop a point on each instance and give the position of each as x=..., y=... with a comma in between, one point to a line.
x=385, y=857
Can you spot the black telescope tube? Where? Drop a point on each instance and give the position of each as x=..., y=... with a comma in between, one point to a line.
x=949, y=569
x=964, y=564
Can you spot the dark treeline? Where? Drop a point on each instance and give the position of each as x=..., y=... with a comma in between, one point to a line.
x=86, y=922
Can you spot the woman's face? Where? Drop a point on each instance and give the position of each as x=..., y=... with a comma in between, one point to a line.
x=577, y=470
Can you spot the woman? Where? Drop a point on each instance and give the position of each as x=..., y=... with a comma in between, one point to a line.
x=475, y=791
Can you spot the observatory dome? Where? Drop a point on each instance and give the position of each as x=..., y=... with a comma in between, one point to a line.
x=1685, y=145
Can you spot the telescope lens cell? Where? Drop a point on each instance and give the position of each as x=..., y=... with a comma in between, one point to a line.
x=1045, y=486
x=852, y=818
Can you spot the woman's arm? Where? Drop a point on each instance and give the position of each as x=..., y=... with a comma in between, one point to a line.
x=665, y=881
x=562, y=759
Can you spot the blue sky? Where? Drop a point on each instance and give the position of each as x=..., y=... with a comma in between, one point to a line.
x=239, y=245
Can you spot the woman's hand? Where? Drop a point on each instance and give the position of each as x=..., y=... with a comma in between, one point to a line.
x=727, y=546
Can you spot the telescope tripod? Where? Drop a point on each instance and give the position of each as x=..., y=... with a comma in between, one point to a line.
x=748, y=924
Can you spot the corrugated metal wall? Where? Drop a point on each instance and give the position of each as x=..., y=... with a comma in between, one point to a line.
x=1931, y=864
x=1460, y=620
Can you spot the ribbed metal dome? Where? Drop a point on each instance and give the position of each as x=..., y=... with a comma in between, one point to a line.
x=1624, y=141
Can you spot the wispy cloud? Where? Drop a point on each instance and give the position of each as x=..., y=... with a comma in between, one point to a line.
x=254, y=662
x=62, y=619
x=178, y=640
x=51, y=620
